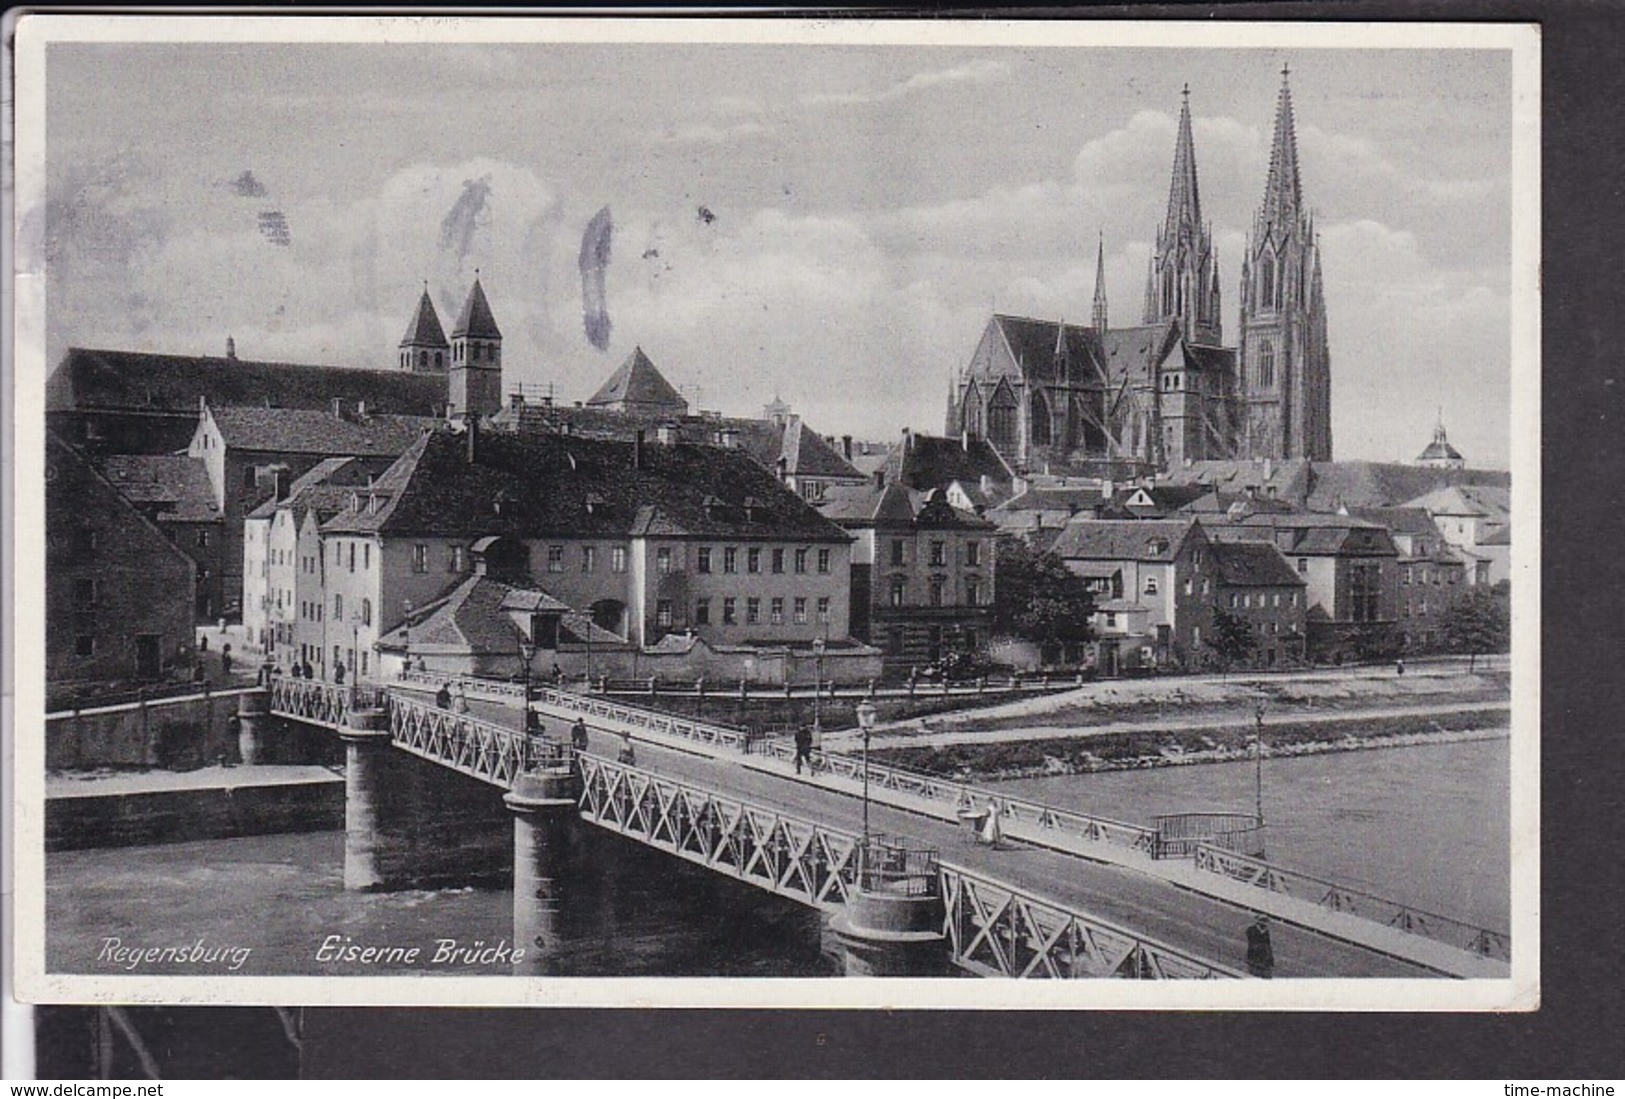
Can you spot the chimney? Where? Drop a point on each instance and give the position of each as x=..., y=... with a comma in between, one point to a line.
x=231, y=349
x=471, y=435
x=846, y=447
x=637, y=450
x=337, y=406
x=783, y=467
x=880, y=478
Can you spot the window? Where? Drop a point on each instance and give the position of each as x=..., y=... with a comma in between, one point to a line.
x=352, y=556
x=938, y=556
x=801, y=560
x=973, y=591
x=728, y=605
x=801, y=608
x=1266, y=366
x=420, y=558
x=84, y=593
x=730, y=559
x=937, y=586
x=823, y=609
x=363, y=662
x=338, y=607
x=778, y=559
x=897, y=552
x=366, y=555
x=1235, y=600
x=455, y=561
x=1111, y=620
x=663, y=560
x=1277, y=599
x=775, y=610
x=753, y=610
x=753, y=559
x=366, y=612
x=1190, y=586
x=202, y=539
x=617, y=559
x=589, y=558
x=703, y=561
x=663, y=613
x=973, y=554
x=1151, y=585
x=898, y=589
x=84, y=645
x=338, y=656
x=555, y=558
x=1303, y=564
x=823, y=560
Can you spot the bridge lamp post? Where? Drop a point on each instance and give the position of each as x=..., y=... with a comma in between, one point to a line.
x=406, y=637
x=818, y=687
x=866, y=722
x=1258, y=762
x=527, y=652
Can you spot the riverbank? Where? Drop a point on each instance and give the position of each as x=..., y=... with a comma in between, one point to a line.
x=1141, y=748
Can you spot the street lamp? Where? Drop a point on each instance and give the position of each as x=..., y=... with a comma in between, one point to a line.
x=1258, y=763
x=818, y=686
x=527, y=652
x=866, y=722
x=406, y=637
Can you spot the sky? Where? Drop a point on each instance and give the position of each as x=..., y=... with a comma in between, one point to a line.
x=827, y=224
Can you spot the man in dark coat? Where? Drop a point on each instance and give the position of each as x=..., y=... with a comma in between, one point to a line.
x=803, y=747
x=442, y=697
x=1260, y=954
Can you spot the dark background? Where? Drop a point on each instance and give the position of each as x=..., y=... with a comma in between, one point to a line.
x=1577, y=1032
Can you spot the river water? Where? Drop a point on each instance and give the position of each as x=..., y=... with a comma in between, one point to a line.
x=1427, y=825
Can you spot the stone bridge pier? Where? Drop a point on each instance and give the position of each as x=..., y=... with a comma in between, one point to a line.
x=409, y=823
x=889, y=933
x=543, y=804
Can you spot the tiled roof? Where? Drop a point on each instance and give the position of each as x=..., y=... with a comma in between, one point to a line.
x=473, y=617
x=1292, y=479
x=88, y=378
x=1437, y=449
x=1048, y=349
x=1253, y=564
x=638, y=384
x=172, y=488
x=1499, y=537
x=1387, y=484
x=475, y=319
x=1400, y=520
x=1123, y=540
x=424, y=329
x=1483, y=500
x=925, y=462
x=529, y=486
x=306, y=431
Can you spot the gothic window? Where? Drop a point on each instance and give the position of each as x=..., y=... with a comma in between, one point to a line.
x=439, y=359
x=1041, y=430
x=1266, y=365
x=1001, y=421
x=1266, y=282
x=971, y=417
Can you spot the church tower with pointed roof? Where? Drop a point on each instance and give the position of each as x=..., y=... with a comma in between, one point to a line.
x=1284, y=360
x=424, y=349
x=1097, y=316
x=475, y=382
x=1182, y=284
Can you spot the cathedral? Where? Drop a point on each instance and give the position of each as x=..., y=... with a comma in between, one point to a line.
x=1125, y=402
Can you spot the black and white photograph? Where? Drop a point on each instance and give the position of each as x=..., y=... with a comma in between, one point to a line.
x=594, y=512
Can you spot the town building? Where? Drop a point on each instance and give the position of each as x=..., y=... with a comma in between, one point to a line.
x=1472, y=517
x=1153, y=581
x=922, y=571
x=1439, y=454
x=173, y=491
x=1432, y=575
x=649, y=539
x=1350, y=569
x=119, y=593
x=1256, y=585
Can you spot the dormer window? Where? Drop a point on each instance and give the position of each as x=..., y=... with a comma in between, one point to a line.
x=1156, y=547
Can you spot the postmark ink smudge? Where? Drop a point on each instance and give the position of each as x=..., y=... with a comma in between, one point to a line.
x=595, y=245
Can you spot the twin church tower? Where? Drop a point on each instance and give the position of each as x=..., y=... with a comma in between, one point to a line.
x=1048, y=395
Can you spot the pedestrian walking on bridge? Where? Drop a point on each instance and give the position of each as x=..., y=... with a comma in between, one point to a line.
x=628, y=755
x=803, y=747
x=578, y=735
x=1260, y=954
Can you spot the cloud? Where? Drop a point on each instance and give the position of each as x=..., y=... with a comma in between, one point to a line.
x=705, y=133
x=980, y=71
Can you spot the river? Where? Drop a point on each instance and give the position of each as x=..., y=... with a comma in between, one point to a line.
x=1427, y=825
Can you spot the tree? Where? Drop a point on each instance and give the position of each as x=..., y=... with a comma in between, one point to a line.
x=1479, y=622
x=1233, y=637
x=1038, y=598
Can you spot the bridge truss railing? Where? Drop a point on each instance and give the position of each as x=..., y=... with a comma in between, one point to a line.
x=1178, y=835
x=311, y=700
x=473, y=686
x=480, y=749
x=1484, y=941
x=998, y=930
x=990, y=928
x=711, y=733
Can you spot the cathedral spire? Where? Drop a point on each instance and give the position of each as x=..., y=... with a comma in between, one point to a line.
x=1097, y=319
x=1283, y=194
x=1184, y=200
